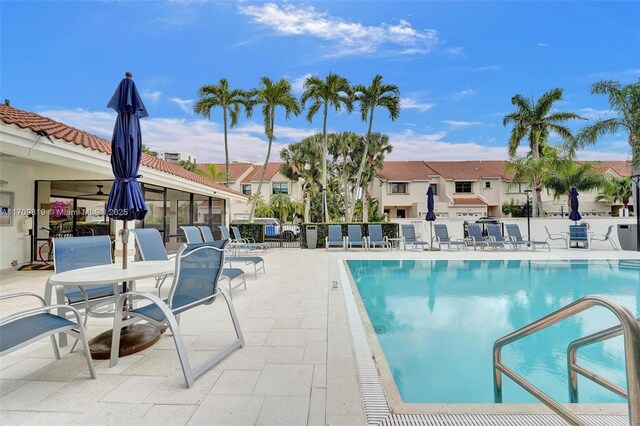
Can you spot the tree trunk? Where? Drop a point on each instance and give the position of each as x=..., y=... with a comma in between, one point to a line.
x=345, y=183
x=365, y=204
x=535, y=154
x=324, y=166
x=264, y=167
x=226, y=148
x=307, y=208
x=362, y=164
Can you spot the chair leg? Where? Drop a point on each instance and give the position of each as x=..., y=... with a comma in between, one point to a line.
x=56, y=352
x=87, y=351
x=115, y=340
x=182, y=350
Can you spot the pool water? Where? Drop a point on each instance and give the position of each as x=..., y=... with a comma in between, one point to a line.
x=436, y=322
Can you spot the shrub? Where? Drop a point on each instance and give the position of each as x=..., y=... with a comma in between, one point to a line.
x=250, y=230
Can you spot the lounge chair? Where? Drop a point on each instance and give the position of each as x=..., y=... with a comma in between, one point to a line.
x=238, y=237
x=195, y=283
x=23, y=328
x=578, y=234
x=494, y=232
x=409, y=237
x=516, y=238
x=151, y=247
x=334, y=237
x=256, y=261
x=475, y=238
x=555, y=237
x=604, y=237
x=376, y=239
x=229, y=274
x=354, y=237
x=442, y=237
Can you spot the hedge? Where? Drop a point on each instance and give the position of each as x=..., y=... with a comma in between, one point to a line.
x=389, y=230
x=250, y=230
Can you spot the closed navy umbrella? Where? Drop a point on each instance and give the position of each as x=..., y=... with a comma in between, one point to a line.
x=126, y=203
x=573, y=200
x=430, y=216
x=125, y=199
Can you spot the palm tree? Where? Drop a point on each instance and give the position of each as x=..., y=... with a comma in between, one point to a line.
x=211, y=172
x=302, y=161
x=212, y=95
x=340, y=147
x=566, y=174
x=270, y=95
x=379, y=147
x=625, y=100
x=281, y=205
x=534, y=122
x=334, y=91
x=617, y=189
x=376, y=95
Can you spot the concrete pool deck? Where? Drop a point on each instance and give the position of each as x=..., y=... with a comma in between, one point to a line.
x=298, y=366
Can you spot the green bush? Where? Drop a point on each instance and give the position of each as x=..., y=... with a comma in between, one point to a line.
x=250, y=230
x=389, y=230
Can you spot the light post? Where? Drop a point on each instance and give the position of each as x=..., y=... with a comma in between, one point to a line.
x=636, y=209
x=528, y=193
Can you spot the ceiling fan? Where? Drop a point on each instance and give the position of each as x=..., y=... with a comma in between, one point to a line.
x=98, y=193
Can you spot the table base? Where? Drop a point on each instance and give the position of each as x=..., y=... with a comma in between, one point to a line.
x=133, y=339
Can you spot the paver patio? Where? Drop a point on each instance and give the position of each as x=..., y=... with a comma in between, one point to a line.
x=297, y=367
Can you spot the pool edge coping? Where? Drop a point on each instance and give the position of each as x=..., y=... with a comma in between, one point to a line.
x=381, y=392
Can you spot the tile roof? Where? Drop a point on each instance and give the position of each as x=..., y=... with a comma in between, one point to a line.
x=621, y=167
x=468, y=201
x=406, y=170
x=236, y=170
x=35, y=122
x=469, y=169
x=272, y=169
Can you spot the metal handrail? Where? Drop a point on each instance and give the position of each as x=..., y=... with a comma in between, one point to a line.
x=574, y=369
x=630, y=330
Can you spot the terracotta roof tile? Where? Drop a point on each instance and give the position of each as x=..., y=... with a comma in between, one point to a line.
x=235, y=169
x=406, y=171
x=272, y=170
x=457, y=170
x=468, y=201
x=35, y=122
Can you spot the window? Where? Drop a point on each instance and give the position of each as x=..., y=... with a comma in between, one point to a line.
x=246, y=189
x=487, y=185
x=434, y=188
x=463, y=186
x=400, y=213
x=280, y=188
x=398, y=188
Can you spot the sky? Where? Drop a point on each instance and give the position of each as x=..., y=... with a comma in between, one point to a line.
x=457, y=65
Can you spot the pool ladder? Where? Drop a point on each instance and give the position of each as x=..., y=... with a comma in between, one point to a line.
x=629, y=327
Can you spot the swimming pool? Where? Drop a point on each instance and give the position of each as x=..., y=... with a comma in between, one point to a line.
x=436, y=322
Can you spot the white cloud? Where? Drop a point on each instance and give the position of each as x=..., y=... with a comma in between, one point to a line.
x=348, y=38
x=151, y=96
x=594, y=114
x=409, y=103
x=487, y=68
x=454, y=51
x=184, y=104
x=203, y=139
x=297, y=85
x=599, y=155
x=462, y=94
x=432, y=146
x=543, y=45
x=462, y=123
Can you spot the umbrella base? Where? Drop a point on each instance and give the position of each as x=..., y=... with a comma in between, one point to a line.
x=133, y=339
x=434, y=249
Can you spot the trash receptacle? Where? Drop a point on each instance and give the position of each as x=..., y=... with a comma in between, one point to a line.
x=628, y=237
x=312, y=236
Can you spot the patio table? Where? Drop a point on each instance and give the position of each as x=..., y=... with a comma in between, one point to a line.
x=133, y=339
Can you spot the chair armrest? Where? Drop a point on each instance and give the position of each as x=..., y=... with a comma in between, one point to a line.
x=46, y=308
x=24, y=294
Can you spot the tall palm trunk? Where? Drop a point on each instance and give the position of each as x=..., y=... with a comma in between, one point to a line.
x=325, y=209
x=345, y=183
x=226, y=148
x=537, y=182
x=362, y=164
x=365, y=204
x=307, y=208
x=264, y=167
